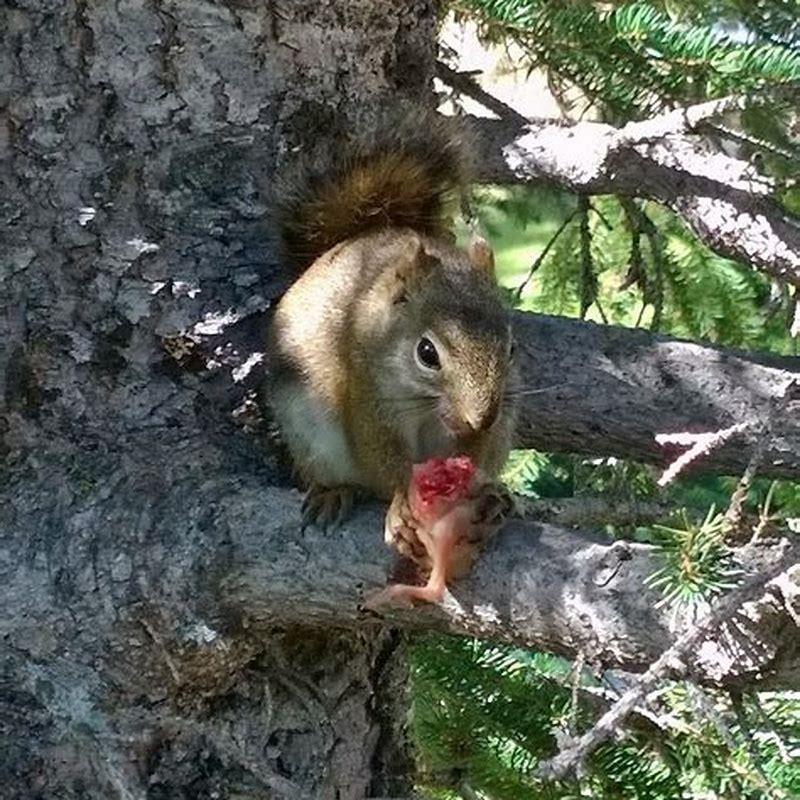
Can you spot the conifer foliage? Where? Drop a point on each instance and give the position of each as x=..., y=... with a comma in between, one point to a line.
x=633, y=58
x=486, y=717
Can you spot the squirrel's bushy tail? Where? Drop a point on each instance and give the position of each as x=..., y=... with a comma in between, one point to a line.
x=406, y=176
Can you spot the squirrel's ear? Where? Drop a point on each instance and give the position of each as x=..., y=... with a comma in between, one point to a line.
x=412, y=269
x=481, y=255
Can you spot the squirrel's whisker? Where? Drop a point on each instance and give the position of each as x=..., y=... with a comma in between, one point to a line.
x=539, y=390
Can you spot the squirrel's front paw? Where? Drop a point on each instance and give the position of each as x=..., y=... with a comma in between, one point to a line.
x=494, y=504
x=327, y=506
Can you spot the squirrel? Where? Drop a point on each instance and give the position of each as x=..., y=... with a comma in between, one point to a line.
x=393, y=345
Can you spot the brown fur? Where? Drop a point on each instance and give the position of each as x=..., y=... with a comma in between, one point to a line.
x=406, y=177
x=354, y=406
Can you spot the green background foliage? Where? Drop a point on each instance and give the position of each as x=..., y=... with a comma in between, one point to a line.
x=484, y=717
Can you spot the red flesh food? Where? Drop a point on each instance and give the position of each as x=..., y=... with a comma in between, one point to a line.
x=439, y=500
x=437, y=485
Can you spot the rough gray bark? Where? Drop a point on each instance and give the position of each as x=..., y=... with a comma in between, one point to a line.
x=537, y=585
x=143, y=531
x=723, y=199
x=609, y=391
x=136, y=144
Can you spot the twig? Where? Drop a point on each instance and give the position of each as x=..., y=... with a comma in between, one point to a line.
x=655, y=240
x=635, y=273
x=464, y=83
x=735, y=512
x=706, y=709
x=652, y=291
x=789, y=153
x=764, y=517
x=640, y=315
x=686, y=120
x=698, y=443
x=733, y=516
x=600, y=309
x=741, y=718
x=601, y=216
x=671, y=662
x=588, y=278
x=541, y=257
x=773, y=731
x=577, y=671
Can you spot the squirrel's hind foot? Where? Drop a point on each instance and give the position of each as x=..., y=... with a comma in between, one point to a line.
x=327, y=506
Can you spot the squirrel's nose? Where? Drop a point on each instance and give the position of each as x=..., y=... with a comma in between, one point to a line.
x=476, y=420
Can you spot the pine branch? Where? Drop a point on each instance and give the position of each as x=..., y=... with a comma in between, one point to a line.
x=633, y=58
x=674, y=662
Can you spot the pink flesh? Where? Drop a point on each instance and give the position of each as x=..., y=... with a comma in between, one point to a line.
x=446, y=531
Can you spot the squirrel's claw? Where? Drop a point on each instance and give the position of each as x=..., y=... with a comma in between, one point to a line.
x=327, y=506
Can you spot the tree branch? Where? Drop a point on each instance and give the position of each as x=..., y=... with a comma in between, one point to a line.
x=193, y=539
x=676, y=661
x=464, y=83
x=608, y=391
x=722, y=198
x=537, y=586
x=594, y=511
x=603, y=390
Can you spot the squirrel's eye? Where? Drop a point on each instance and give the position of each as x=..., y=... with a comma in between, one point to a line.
x=427, y=354
x=512, y=349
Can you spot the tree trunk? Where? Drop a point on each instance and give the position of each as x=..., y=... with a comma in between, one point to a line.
x=168, y=632
x=136, y=140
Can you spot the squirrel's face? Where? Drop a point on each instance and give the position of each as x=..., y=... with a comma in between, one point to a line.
x=450, y=352
x=465, y=368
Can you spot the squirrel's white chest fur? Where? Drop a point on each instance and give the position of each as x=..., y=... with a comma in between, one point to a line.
x=315, y=438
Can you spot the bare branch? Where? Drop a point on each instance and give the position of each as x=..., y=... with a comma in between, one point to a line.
x=464, y=83
x=722, y=198
x=688, y=118
x=541, y=257
x=588, y=278
x=734, y=516
x=652, y=289
x=608, y=391
x=697, y=444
